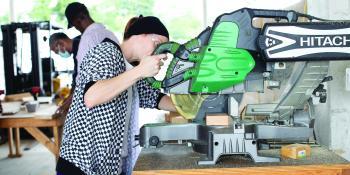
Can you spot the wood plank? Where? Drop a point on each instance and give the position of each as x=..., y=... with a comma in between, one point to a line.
x=170, y=115
x=57, y=140
x=341, y=169
x=30, y=122
x=42, y=118
x=55, y=135
x=45, y=111
x=58, y=131
x=10, y=142
x=43, y=139
x=217, y=119
x=178, y=120
x=17, y=97
x=18, y=143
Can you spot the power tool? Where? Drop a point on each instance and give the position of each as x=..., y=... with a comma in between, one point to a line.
x=232, y=57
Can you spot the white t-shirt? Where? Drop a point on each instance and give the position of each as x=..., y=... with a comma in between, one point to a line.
x=93, y=35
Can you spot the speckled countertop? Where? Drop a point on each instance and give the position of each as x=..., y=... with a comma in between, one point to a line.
x=182, y=157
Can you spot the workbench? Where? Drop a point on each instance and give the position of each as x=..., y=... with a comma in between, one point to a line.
x=180, y=159
x=31, y=122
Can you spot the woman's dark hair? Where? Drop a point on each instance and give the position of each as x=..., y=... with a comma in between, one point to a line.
x=128, y=25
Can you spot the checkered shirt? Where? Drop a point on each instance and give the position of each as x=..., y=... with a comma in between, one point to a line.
x=93, y=138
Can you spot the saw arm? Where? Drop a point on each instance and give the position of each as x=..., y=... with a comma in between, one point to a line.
x=223, y=55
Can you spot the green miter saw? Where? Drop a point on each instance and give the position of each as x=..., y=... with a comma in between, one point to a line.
x=223, y=55
x=212, y=72
x=208, y=64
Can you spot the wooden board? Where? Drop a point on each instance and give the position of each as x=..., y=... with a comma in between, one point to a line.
x=295, y=151
x=181, y=159
x=17, y=97
x=220, y=119
x=341, y=169
x=176, y=118
x=45, y=111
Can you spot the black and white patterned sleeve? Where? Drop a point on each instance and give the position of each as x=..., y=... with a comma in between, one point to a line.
x=102, y=62
x=149, y=97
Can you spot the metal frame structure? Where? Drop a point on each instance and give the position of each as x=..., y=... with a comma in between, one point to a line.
x=15, y=81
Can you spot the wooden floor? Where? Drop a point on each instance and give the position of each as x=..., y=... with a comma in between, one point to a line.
x=35, y=161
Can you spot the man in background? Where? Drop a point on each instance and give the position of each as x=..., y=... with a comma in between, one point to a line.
x=92, y=33
x=62, y=45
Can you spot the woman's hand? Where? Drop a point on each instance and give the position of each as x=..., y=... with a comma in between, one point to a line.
x=150, y=65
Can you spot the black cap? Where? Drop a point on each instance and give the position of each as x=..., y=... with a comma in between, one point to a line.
x=73, y=10
x=147, y=25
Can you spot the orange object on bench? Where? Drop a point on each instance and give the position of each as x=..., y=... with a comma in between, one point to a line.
x=219, y=119
x=296, y=151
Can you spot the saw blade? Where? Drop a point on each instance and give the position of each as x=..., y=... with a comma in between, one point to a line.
x=188, y=105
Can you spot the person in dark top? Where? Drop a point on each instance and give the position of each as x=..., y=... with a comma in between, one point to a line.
x=62, y=45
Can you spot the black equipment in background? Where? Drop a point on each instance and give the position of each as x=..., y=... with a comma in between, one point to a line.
x=14, y=44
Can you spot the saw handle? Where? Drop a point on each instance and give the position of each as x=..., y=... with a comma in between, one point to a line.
x=168, y=47
x=290, y=15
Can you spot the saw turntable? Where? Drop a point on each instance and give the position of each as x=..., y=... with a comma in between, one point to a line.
x=210, y=73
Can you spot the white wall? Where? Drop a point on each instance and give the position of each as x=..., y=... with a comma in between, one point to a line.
x=333, y=118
